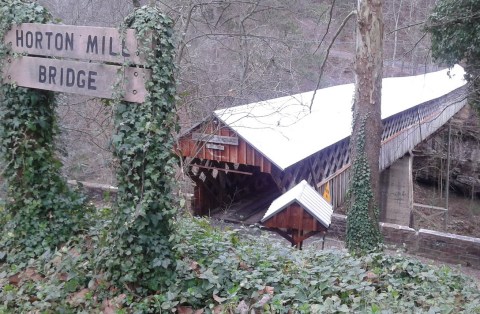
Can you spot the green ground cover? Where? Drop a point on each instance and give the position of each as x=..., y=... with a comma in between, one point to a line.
x=234, y=272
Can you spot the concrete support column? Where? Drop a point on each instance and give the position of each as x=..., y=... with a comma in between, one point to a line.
x=396, y=188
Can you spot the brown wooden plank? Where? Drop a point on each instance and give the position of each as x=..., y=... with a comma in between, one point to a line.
x=226, y=170
x=294, y=217
x=233, y=148
x=217, y=136
x=82, y=78
x=192, y=148
x=225, y=155
x=300, y=217
x=184, y=148
x=76, y=42
x=267, y=166
x=258, y=159
x=250, y=155
x=242, y=152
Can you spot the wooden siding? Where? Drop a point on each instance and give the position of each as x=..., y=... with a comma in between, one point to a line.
x=338, y=183
x=296, y=218
x=243, y=153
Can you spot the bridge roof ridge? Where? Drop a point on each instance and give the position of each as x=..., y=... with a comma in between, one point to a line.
x=282, y=129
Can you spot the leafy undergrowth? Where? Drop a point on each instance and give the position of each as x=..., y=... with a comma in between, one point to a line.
x=233, y=272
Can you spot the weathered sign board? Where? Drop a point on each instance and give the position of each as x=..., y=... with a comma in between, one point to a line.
x=218, y=139
x=93, y=79
x=93, y=45
x=75, y=42
x=215, y=146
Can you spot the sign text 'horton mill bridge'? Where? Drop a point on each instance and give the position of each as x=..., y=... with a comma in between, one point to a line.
x=42, y=44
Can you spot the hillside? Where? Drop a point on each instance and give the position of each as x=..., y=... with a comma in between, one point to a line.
x=234, y=52
x=62, y=253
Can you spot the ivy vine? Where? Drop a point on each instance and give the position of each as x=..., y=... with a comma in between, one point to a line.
x=41, y=211
x=363, y=233
x=140, y=250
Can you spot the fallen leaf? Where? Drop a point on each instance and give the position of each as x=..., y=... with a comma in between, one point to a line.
x=371, y=275
x=14, y=279
x=243, y=265
x=73, y=252
x=106, y=304
x=184, y=310
x=269, y=289
x=31, y=274
x=78, y=297
x=218, y=299
x=242, y=307
x=62, y=276
x=194, y=265
x=264, y=300
x=109, y=310
x=118, y=300
x=57, y=260
x=92, y=284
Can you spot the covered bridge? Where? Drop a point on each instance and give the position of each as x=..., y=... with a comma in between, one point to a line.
x=248, y=155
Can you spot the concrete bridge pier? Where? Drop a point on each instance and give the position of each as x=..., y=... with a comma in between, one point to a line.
x=396, y=192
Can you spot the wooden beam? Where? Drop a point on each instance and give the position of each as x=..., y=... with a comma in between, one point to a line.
x=428, y=206
x=337, y=173
x=222, y=169
x=282, y=233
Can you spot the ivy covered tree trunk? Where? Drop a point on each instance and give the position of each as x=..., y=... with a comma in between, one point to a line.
x=363, y=232
x=41, y=212
x=140, y=251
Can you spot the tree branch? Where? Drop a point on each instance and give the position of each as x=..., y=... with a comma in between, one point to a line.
x=330, y=14
x=405, y=27
x=322, y=67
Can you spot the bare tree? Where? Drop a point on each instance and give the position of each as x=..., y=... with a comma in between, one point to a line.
x=232, y=52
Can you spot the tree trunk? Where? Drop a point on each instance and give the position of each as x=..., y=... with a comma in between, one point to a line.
x=362, y=223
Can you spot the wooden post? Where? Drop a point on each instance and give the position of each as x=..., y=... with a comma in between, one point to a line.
x=447, y=187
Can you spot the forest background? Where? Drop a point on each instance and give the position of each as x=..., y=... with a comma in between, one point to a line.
x=233, y=52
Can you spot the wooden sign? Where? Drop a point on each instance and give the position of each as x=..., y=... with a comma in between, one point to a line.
x=215, y=146
x=75, y=42
x=92, y=79
x=218, y=139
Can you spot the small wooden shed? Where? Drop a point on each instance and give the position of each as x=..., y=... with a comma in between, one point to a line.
x=299, y=214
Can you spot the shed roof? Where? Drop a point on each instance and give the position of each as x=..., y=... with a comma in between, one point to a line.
x=308, y=198
x=286, y=130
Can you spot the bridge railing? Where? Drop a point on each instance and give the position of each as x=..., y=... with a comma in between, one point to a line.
x=401, y=133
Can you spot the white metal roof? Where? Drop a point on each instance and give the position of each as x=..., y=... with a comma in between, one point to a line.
x=285, y=130
x=308, y=198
